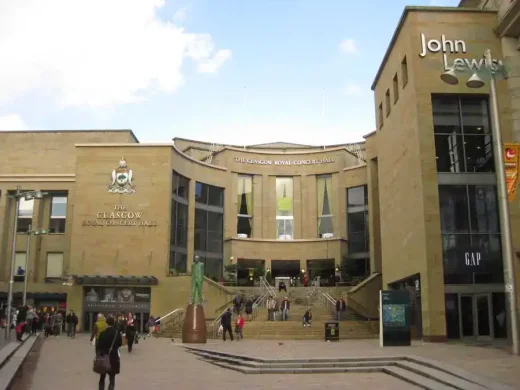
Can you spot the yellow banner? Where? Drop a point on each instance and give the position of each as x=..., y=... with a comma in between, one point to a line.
x=511, y=160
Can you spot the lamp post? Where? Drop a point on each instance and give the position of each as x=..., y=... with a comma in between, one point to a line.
x=503, y=203
x=29, y=195
x=30, y=232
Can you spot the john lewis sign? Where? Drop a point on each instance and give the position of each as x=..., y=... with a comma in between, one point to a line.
x=452, y=46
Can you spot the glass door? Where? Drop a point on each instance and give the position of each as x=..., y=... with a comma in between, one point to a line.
x=475, y=316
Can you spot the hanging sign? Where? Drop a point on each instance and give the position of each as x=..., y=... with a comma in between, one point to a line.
x=511, y=168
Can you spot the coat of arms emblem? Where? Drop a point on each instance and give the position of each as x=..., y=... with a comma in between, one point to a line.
x=121, y=180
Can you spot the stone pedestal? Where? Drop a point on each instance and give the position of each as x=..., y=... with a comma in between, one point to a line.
x=194, y=329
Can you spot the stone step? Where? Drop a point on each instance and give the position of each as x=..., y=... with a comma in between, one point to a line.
x=424, y=373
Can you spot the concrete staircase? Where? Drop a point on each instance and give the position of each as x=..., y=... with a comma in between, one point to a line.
x=421, y=372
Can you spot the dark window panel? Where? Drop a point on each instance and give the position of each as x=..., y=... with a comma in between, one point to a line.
x=453, y=209
x=357, y=222
x=201, y=193
x=175, y=182
x=446, y=115
x=214, y=242
x=23, y=225
x=183, y=187
x=216, y=196
x=57, y=225
x=357, y=243
x=178, y=262
x=201, y=219
x=244, y=226
x=215, y=222
x=479, y=153
x=200, y=240
x=475, y=115
x=449, y=153
x=483, y=209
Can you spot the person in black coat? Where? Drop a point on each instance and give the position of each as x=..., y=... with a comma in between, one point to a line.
x=225, y=321
x=106, y=338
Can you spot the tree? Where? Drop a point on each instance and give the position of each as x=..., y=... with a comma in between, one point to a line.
x=231, y=272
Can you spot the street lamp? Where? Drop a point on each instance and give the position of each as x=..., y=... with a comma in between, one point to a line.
x=28, y=195
x=30, y=232
x=498, y=152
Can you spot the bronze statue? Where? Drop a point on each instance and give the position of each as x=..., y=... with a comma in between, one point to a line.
x=197, y=278
x=194, y=329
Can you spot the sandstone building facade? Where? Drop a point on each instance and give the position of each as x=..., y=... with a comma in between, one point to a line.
x=414, y=206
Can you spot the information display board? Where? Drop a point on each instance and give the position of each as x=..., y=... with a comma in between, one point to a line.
x=394, y=318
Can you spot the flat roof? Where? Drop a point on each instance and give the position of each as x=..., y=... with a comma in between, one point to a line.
x=400, y=24
x=75, y=131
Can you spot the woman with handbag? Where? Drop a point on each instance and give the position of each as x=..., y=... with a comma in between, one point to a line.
x=107, y=360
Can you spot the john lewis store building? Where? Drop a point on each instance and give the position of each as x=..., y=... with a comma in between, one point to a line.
x=433, y=149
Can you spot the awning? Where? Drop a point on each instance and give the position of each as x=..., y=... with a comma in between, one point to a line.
x=116, y=280
x=38, y=296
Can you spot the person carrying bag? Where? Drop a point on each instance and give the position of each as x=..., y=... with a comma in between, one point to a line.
x=107, y=360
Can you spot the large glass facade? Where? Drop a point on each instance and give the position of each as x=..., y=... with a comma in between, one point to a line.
x=462, y=134
x=356, y=266
x=325, y=213
x=245, y=205
x=179, y=225
x=209, y=228
x=284, y=208
x=470, y=234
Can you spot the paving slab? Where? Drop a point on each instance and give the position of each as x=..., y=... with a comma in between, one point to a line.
x=161, y=364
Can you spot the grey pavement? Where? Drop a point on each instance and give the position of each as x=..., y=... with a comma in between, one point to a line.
x=162, y=364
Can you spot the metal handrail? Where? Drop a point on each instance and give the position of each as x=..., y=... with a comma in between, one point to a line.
x=329, y=302
x=169, y=314
x=267, y=286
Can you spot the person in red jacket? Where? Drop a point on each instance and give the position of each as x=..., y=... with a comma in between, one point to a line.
x=239, y=324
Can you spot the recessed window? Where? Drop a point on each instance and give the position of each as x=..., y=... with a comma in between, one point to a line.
x=462, y=130
x=179, y=225
x=58, y=214
x=284, y=208
x=54, y=265
x=325, y=214
x=387, y=102
x=180, y=185
x=404, y=71
x=244, y=206
x=357, y=220
x=25, y=215
x=395, y=84
x=380, y=115
x=19, y=264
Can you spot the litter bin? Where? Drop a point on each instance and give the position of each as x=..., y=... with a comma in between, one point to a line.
x=332, y=331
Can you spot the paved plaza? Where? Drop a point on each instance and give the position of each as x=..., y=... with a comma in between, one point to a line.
x=162, y=364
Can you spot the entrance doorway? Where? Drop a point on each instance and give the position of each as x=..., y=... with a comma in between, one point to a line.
x=324, y=268
x=476, y=316
x=285, y=268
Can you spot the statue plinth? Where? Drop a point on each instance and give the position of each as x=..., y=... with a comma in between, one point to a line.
x=194, y=329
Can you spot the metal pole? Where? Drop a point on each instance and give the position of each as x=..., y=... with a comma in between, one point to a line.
x=503, y=204
x=27, y=256
x=13, y=265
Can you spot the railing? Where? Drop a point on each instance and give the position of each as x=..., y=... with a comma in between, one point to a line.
x=267, y=287
x=171, y=318
x=328, y=302
x=313, y=292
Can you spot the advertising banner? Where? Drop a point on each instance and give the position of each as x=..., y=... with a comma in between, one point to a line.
x=511, y=168
x=394, y=321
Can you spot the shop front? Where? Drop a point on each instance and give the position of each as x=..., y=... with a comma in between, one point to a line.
x=114, y=296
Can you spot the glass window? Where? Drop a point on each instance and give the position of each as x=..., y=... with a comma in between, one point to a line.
x=454, y=209
x=354, y=268
x=483, y=209
x=284, y=208
x=59, y=207
x=180, y=185
x=215, y=196
x=284, y=196
x=201, y=220
x=200, y=240
x=325, y=214
x=245, y=196
x=201, y=193
x=357, y=222
x=178, y=262
x=462, y=134
x=215, y=222
x=25, y=209
x=19, y=264
x=213, y=268
x=357, y=196
x=181, y=225
x=54, y=265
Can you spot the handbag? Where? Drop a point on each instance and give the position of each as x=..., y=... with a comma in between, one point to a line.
x=102, y=362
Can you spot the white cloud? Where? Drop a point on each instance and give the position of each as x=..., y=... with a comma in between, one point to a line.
x=211, y=65
x=96, y=52
x=348, y=46
x=352, y=89
x=12, y=122
x=181, y=14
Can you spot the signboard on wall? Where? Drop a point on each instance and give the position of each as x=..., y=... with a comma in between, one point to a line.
x=394, y=323
x=511, y=168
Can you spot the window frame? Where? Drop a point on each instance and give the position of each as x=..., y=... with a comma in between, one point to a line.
x=47, y=264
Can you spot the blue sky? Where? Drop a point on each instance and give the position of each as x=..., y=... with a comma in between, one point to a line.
x=224, y=71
